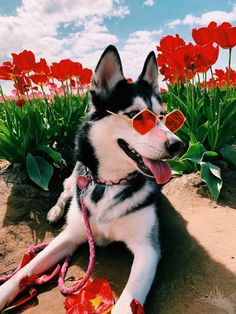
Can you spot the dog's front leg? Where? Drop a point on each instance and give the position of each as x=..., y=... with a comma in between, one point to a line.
x=143, y=270
x=64, y=244
x=57, y=211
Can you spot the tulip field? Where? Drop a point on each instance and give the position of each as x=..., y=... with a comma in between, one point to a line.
x=50, y=101
x=47, y=106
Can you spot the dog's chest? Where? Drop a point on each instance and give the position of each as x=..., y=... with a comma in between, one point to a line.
x=103, y=204
x=108, y=203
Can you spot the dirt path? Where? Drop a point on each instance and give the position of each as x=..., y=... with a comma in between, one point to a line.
x=197, y=273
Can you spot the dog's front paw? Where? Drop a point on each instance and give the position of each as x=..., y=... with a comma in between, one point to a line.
x=55, y=213
x=122, y=307
x=8, y=292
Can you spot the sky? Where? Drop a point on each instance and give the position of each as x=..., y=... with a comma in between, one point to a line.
x=82, y=29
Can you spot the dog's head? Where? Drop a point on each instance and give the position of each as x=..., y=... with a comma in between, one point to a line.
x=107, y=143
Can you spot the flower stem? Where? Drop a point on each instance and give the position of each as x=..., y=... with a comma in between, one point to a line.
x=2, y=94
x=46, y=101
x=229, y=67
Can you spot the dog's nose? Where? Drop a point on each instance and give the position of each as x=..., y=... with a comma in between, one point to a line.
x=174, y=146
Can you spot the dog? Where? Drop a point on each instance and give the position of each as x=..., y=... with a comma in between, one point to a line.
x=125, y=166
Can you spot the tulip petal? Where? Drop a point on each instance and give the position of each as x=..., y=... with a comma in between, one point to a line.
x=96, y=295
x=31, y=294
x=136, y=307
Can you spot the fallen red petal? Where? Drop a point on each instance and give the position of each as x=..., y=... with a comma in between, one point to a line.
x=96, y=295
x=136, y=307
x=46, y=278
x=82, y=308
x=31, y=294
x=27, y=281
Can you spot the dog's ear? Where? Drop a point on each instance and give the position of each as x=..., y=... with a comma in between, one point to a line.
x=108, y=72
x=150, y=72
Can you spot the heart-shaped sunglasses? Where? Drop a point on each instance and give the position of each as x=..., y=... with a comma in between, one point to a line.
x=145, y=120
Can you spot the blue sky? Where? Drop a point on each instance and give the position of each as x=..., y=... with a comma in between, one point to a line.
x=81, y=30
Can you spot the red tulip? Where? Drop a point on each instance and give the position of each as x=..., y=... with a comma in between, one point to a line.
x=60, y=71
x=72, y=83
x=24, y=61
x=161, y=59
x=170, y=43
x=7, y=71
x=41, y=67
x=221, y=77
x=20, y=102
x=85, y=76
x=193, y=58
x=39, y=79
x=225, y=35
x=66, y=69
x=22, y=84
x=76, y=69
x=203, y=36
x=205, y=57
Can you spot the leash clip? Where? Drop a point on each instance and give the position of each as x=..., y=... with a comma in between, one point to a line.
x=82, y=182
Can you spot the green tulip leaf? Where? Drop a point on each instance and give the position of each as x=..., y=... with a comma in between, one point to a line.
x=211, y=175
x=194, y=153
x=229, y=154
x=39, y=170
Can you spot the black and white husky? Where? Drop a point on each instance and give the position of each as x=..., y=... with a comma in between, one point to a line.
x=122, y=197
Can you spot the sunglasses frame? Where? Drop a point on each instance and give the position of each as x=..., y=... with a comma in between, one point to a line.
x=157, y=117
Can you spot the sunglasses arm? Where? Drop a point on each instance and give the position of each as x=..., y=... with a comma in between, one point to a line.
x=123, y=117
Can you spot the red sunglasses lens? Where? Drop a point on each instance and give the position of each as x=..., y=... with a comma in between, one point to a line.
x=174, y=120
x=144, y=122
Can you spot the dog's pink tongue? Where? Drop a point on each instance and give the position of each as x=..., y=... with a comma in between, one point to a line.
x=160, y=169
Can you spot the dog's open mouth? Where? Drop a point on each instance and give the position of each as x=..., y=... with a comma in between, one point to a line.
x=158, y=169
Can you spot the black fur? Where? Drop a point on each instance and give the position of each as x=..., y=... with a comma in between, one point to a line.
x=97, y=193
x=84, y=151
x=149, y=200
x=130, y=188
x=121, y=98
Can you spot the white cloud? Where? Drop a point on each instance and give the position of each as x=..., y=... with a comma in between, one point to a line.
x=136, y=49
x=174, y=23
x=120, y=11
x=205, y=18
x=149, y=3
x=39, y=26
x=36, y=26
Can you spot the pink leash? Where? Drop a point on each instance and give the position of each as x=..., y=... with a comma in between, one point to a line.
x=76, y=287
x=61, y=281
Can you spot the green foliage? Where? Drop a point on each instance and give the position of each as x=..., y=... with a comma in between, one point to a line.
x=196, y=158
x=29, y=133
x=68, y=112
x=209, y=131
x=229, y=154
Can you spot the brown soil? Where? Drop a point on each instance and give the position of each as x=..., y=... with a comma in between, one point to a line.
x=197, y=273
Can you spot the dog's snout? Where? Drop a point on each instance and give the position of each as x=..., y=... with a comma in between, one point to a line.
x=174, y=146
